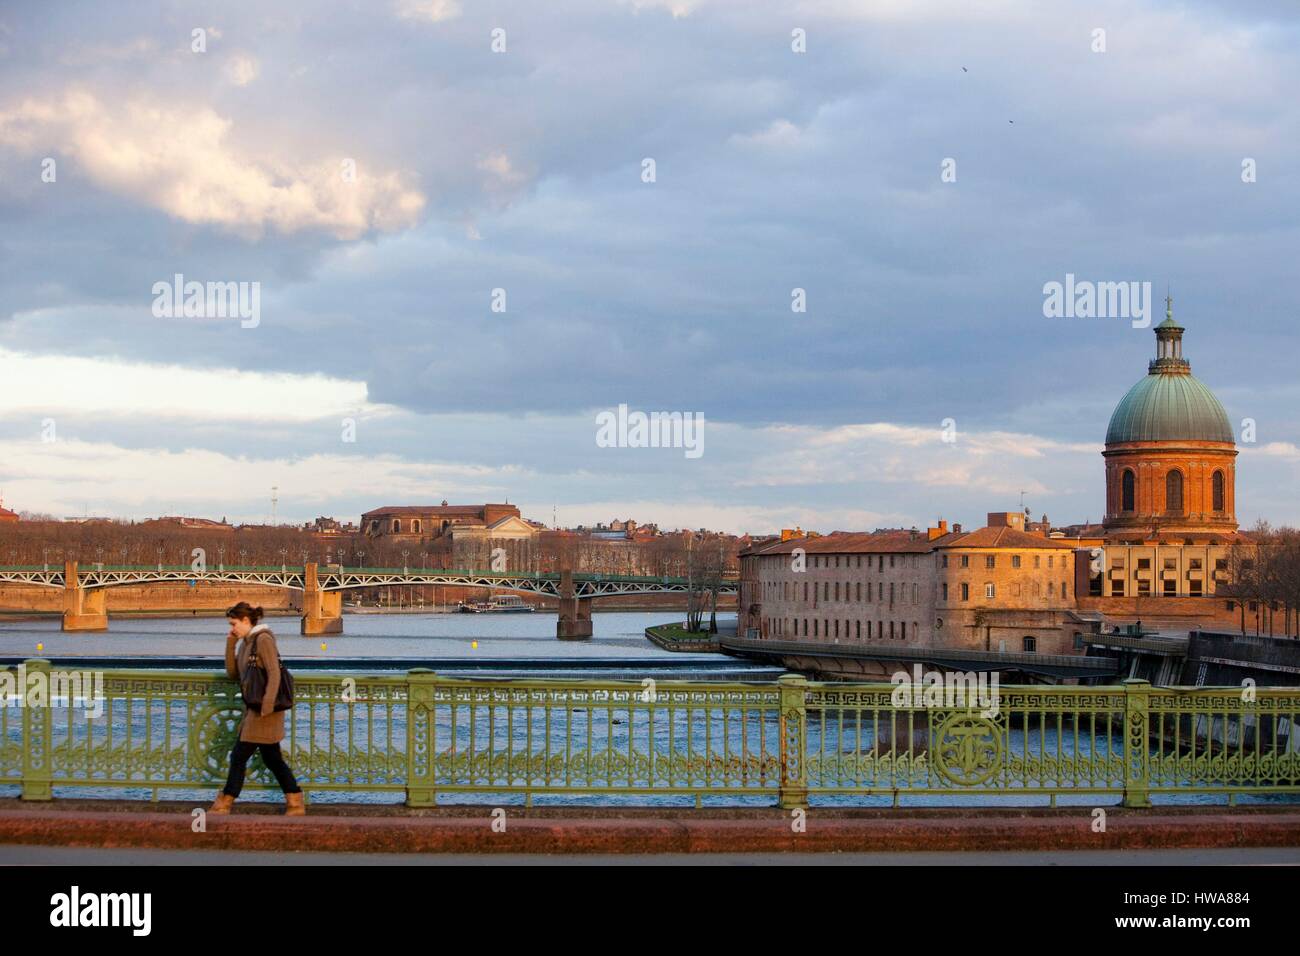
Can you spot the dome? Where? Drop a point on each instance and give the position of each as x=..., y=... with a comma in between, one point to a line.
x=1168, y=406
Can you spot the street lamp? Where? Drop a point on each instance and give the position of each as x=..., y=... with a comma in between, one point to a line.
x=283, y=564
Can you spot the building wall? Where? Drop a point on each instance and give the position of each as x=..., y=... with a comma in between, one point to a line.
x=846, y=598
x=1032, y=589
x=1150, y=463
x=1124, y=577
x=914, y=599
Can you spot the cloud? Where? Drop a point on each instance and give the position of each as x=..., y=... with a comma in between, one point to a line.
x=180, y=159
x=113, y=387
x=241, y=69
x=433, y=11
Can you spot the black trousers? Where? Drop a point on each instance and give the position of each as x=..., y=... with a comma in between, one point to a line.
x=271, y=756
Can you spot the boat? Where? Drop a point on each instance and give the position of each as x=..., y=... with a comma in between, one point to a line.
x=498, y=604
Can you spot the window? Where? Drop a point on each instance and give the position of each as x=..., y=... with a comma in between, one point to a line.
x=1220, y=564
x=990, y=560
x=1171, y=564
x=1117, y=587
x=1051, y=561
x=891, y=630
x=1078, y=641
x=1051, y=589
x=965, y=591
x=859, y=598
x=943, y=561
x=415, y=525
x=1194, y=587
x=902, y=630
x=1216, y=490
x=1015, y=560
x=1038, y=561
x=945, y=592
x=1127, y=495
x=1194, y=564
x=397, y=525
x=1170, y=588
x=1144, y=588
x=891, y=560
x=1174, y=493
x=965, y=560
x=857, y=630
x=988, y=590
x=1030, y=645
x=1144, y=564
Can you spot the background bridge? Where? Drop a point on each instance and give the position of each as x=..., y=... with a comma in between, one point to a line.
x=84, y=607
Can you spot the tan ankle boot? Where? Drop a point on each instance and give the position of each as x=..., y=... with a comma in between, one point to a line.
x=293, y=805
x=222, y=804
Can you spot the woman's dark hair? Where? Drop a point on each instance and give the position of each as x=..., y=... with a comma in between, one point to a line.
x=245, y=610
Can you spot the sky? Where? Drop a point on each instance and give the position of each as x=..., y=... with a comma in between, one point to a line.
x=474, y=227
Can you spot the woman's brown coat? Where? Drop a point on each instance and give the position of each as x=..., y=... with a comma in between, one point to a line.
x=266, y=727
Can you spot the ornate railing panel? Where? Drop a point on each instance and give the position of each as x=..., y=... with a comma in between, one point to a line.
x=423, y=735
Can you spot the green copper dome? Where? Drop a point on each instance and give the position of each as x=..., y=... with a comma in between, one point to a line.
x=1169, y=404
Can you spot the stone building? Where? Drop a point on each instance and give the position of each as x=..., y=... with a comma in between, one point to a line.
x=998, y=588
x=425, y=523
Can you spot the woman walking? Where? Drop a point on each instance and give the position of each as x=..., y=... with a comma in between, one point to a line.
x=264, y=729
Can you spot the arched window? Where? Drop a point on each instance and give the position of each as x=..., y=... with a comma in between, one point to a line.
x=397, y=525
x=415, y=525
x=1174, y=492
x=1216, y=490
x=1127, y=490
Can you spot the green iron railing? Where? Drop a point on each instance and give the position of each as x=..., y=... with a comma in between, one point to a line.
x=423, y=736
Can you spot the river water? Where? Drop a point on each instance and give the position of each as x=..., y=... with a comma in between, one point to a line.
x=482, y=644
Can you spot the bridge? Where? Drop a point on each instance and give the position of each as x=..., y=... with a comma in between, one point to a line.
x=84, y=607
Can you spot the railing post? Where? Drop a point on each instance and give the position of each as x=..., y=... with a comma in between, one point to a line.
x=420, y=685
x=794, y=734
x=38, y=733
x=1137, y=749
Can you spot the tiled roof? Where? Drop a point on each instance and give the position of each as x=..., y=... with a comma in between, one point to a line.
x=871, y=542
x=430, y=510
x=1004, y=538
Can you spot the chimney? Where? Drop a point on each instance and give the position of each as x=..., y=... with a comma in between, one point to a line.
x=938, y=532
x=956, y=529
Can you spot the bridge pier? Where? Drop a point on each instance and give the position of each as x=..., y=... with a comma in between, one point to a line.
x=322, y=611
x=83, y=610
x=574, y=623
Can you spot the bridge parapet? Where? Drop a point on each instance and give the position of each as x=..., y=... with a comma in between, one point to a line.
x=426, y=736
